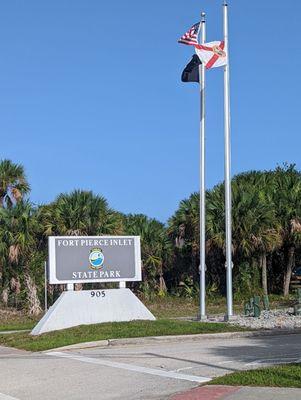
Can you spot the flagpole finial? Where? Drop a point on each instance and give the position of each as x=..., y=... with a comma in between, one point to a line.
x=203, y=15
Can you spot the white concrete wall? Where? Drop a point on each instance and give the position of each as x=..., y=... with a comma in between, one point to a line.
x=79, y=308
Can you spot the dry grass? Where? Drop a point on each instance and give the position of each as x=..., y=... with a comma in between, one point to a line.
x=12, y=319
x=164, y=307
x=177, y=307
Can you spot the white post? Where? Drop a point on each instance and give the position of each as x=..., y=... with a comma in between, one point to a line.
x=45, y=286
x=122, y=285
x=228, y=221
x=70, y=286
x=202, y=179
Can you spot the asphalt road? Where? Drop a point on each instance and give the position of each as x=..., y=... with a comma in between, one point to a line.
x=146, y=372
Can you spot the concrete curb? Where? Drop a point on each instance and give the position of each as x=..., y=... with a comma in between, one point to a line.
x=175, y=339
x=14, y=331
x=85, y=345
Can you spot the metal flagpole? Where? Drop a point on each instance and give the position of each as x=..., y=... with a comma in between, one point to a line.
x=227, y=170
x=45, y=285
x=202, y=178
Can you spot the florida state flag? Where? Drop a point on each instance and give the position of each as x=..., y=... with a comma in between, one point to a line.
x=212, y=54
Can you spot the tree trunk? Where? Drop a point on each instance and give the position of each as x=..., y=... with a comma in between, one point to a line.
x=288, y=272
x=34, y=305
x=5, y=297
x=264, y=276
x=1, y=275
x=162, y=284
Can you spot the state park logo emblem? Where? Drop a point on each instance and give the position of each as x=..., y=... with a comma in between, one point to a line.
x=96, y=259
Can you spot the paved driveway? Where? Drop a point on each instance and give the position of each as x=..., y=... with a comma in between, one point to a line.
x=153, y=371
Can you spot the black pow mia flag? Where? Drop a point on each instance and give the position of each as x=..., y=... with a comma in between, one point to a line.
x=191, y=71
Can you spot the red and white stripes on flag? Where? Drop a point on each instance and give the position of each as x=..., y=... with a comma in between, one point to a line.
x=212, y=54
x=191, y=36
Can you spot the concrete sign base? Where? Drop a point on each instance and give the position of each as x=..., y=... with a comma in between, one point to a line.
x=87, y=307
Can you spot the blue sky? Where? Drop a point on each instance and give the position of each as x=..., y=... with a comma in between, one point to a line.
x=91, y=97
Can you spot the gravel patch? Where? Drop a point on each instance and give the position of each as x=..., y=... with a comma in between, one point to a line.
x=273, y=319
x=280, y=319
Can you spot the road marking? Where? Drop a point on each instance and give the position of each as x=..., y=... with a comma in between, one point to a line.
x=6, y=397
x=225, y=362
x=130, y=367
x=181, y=369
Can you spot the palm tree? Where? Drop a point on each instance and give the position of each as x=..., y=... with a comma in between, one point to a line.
x=255, y=231
x=267, y=231
x=13, y=183
x=19, y=229
x=287, y=199
x=184, y=225
x=155, y=247
x=80, y=213
x=3, y=258
x=183, y=230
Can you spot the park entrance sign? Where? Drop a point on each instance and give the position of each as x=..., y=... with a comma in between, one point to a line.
x=83, y=259
x=92, y=259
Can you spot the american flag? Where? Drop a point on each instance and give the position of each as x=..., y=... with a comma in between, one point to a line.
x=191, y=36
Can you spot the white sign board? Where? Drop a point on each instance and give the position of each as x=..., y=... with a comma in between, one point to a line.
x=83, y=259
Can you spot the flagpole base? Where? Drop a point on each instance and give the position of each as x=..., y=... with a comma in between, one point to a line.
x=230, y=318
